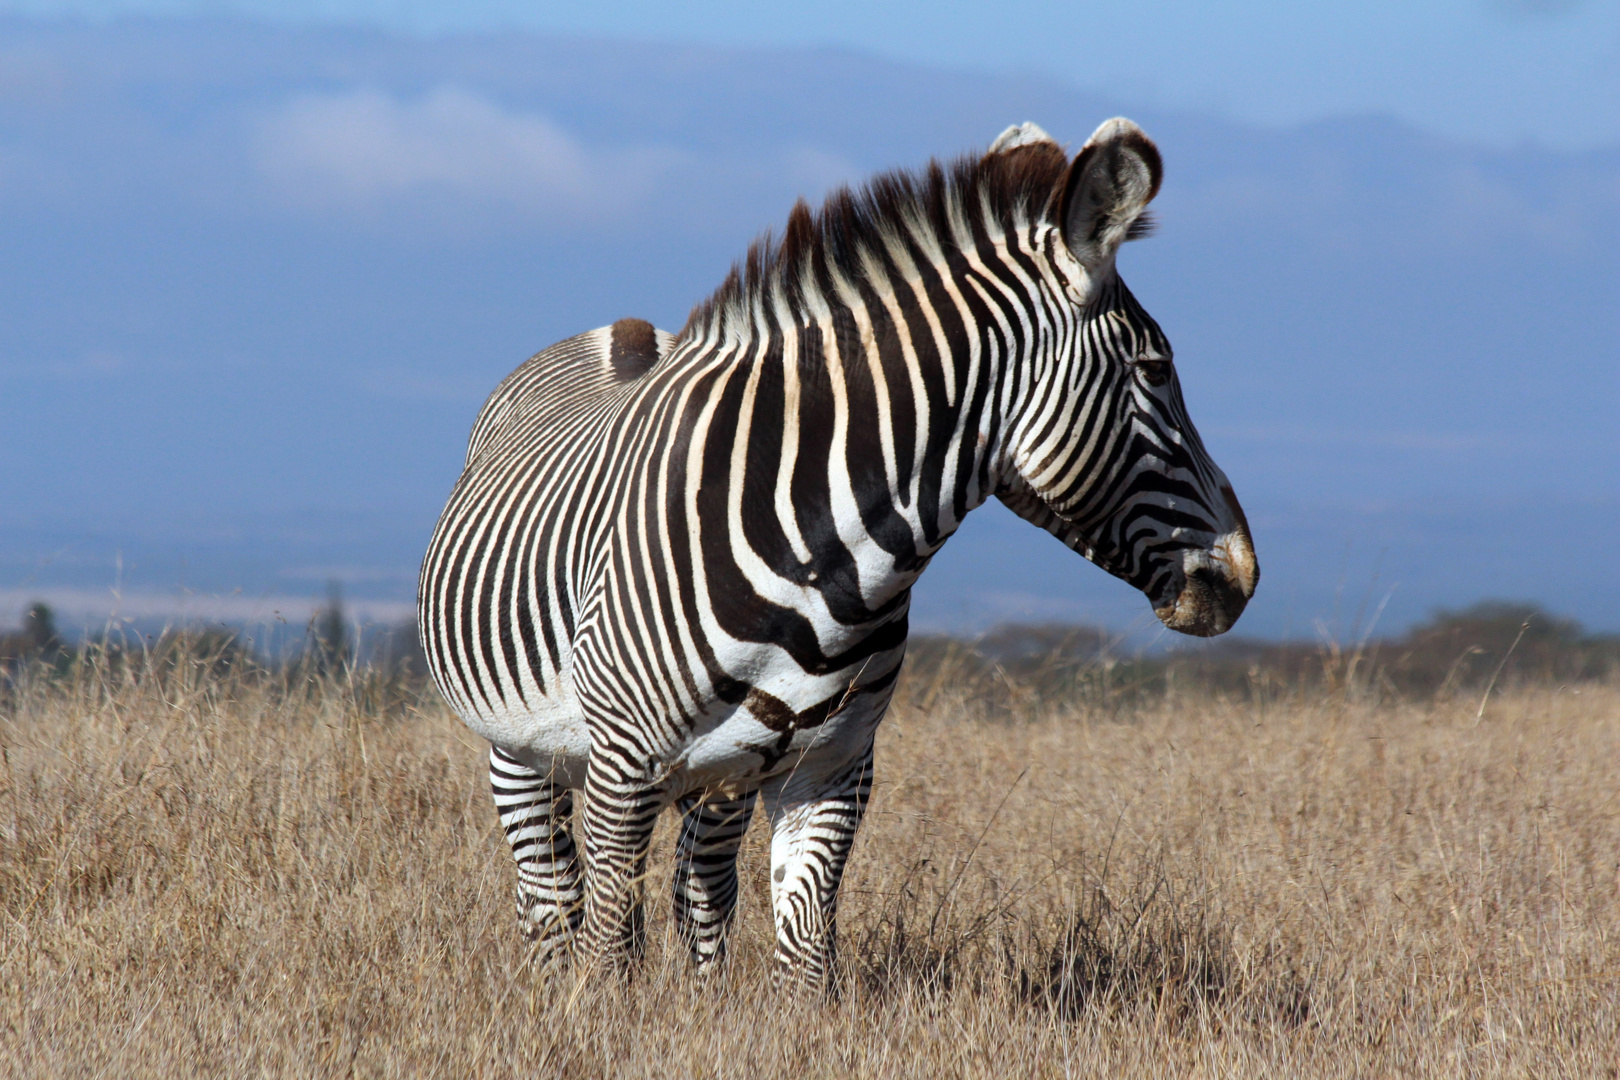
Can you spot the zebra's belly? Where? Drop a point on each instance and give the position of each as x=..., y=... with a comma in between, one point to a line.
x=748, y=746
x=548, y=735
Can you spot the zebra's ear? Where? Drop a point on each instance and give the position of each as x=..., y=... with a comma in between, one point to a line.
x=1019, y=135
x=1112, y=179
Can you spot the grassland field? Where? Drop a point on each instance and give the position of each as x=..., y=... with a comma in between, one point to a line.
x=204, y=873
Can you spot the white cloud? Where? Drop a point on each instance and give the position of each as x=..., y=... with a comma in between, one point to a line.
x=365, y=148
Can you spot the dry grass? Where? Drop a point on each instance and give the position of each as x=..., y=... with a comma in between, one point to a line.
x=207, y=877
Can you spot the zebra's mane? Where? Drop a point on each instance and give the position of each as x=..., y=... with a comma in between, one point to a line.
x=1007, y=187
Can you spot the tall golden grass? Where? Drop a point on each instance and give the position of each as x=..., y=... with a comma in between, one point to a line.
x=205, y=874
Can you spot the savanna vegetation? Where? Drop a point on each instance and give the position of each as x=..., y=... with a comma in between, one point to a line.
x=212, y=865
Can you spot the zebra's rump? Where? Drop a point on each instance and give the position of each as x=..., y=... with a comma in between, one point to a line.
x=559, y=381
x=495, y=599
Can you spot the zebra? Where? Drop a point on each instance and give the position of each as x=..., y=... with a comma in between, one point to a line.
x=676, y=569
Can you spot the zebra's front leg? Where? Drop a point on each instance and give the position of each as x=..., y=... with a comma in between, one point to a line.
x=534, y=812
x=706, y=872
x=617, y=816
x=811, y=836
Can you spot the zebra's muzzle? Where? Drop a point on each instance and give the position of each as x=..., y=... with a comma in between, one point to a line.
x=1217, y=581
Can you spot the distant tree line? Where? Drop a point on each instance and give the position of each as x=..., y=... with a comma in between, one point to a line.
x=1492, y=643
x=36, y=641
x=332, y=648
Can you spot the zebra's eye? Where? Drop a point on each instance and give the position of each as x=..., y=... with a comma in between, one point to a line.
x=1156, y=372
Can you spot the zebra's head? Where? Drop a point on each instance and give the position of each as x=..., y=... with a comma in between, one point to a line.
x=1100, y=449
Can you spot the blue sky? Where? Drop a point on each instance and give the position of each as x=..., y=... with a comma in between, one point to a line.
x=257, y=275
x=1492, y=71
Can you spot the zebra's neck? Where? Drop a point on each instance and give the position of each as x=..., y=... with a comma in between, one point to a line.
x=864, y=417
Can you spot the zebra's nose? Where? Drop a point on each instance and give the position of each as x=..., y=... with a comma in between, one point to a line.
x=1217, y=582
x=1210, y=601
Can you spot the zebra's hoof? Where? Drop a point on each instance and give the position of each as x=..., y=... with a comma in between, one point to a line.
x=708, y=968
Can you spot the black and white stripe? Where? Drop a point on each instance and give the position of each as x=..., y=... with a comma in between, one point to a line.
x=677, y=569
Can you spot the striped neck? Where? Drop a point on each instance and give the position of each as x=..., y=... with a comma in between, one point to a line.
x=876, y=407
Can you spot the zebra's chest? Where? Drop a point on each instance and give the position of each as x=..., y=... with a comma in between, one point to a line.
x=759, y=741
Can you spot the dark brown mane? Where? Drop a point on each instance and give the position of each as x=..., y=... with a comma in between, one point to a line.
x=1023, y=182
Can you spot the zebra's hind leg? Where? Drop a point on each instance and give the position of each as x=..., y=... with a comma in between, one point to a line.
x=534, y=811
x=706, y=872
x=811, y=836
x=617, y=815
